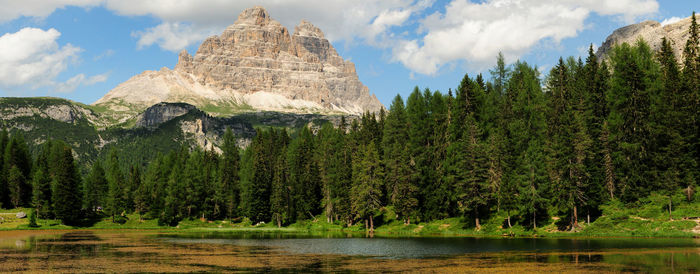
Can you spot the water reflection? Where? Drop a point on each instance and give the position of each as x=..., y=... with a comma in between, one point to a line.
x=134, y=251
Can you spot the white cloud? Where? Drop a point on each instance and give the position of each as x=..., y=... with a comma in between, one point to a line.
x=467, y=31
x=476, y=32
x=13, y=9
x=31, y=57
x=671, y=20
x=190, y=21
x=80, y=80
x=105, y=54
x=172, y=36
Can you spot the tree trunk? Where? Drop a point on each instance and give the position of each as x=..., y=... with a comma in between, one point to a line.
x=669, y=208
x=575, y=217
x=371, y=223
x=534, y=219
x=366, y=225
x=408, y=220
x=588, y=218
x=279, y=221
x=476, y=220
x=509, y=225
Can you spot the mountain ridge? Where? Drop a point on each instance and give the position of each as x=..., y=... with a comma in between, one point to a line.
x=254, y=64
x=652, y=32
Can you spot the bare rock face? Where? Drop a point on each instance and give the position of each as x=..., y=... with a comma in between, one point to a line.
x=161, y=113
x=255, y=63
x=652, y=32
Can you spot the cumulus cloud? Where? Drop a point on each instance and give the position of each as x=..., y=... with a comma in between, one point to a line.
x=80, y=80
x=671, y=20
x=173, y=36
x=468, y=31
x=476, y=32
x=31, y=57
x=13, y=9
x=190, y=21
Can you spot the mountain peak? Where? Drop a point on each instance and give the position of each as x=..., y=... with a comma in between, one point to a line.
x=305, y=28
x=652, y=32
x=253, y=16
x=255, y=63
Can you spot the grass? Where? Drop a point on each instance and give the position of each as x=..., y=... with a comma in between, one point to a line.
x=649, y=218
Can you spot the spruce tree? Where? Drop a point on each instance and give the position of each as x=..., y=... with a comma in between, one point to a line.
x=400, y=185
x=95, y=188
x=280, y=196
x=116, y=196
x=304, y=176
x=630, y=102
x=66, y=194
x=41, y=184
x=16, y=155
x=4, y=190
x=228, y=189
x=367, y=185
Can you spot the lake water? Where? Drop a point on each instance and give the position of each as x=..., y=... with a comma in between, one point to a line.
x=150, y=251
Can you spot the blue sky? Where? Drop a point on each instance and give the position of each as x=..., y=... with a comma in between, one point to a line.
x=80, y=49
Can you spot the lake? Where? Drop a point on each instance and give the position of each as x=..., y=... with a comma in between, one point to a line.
x=253, y=251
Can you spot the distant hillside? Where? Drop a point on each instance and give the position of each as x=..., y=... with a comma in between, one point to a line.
x=158, y=129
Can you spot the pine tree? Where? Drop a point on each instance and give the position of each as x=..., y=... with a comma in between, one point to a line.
x=228, y=189
x=401, y=189
x=66, y=194
x=116, y=199
x=41, y=184
x=16, y=155
x=595, y=82
x=95, y=188
x=526, y=131
x=259, y=187
x=691, y=89
x=673, y=118
x=280, y=196
x=367, y=185
x=304, y=176
x=4, y=190
x=630, y=102
x=16, y=181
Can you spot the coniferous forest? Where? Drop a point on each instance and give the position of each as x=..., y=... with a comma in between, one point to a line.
x=518, y=144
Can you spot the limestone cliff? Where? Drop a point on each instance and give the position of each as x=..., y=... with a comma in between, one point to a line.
x=652, y=32
x=254, y=64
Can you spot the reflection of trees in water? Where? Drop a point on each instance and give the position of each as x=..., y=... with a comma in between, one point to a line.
x=84, y=243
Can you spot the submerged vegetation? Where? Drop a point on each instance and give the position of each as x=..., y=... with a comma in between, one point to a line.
x=599, y=147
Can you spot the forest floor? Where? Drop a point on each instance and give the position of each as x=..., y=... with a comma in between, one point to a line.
x=650, y=218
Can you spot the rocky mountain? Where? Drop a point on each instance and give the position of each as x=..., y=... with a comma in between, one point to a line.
x=652, y=32
x=255, y=64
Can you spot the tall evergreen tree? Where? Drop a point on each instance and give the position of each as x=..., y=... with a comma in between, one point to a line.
x=16, y=155
x=400, y=185
x=228, y=188
x=526, y=130
x=116, y=196
x=304, y=176
x=4, y=190
x=96, y=188
x=66, y=194
x=630, y=101
x=367, y=185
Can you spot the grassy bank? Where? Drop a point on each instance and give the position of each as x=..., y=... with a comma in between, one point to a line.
x=649, y=219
